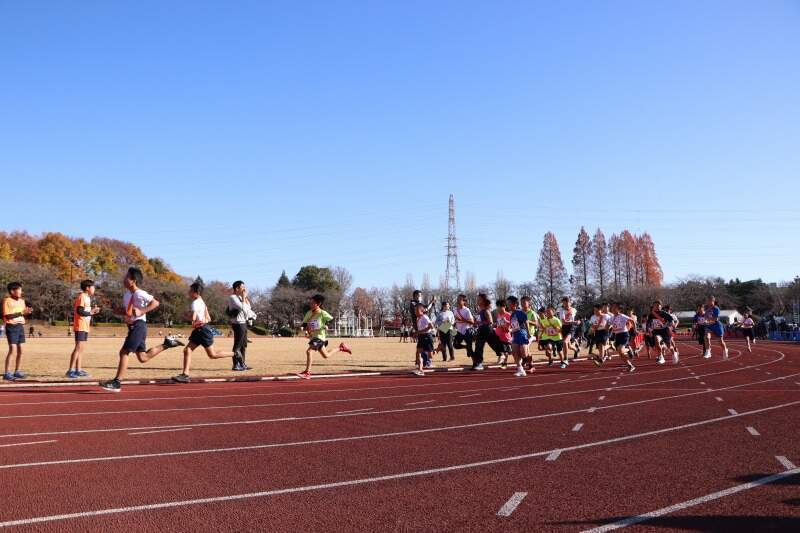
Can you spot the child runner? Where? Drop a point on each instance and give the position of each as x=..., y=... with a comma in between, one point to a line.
x=521, y=336
x=714, y=328
x=83, y=311
x=533, y=319
x=14, y=312
x=551, y=337
x=660, y=322
x=619, y=327
x=672, y=329
x=315, y=322
x=540, y=315
x=465, y=326
x=444, y=324
x=201, y=335
x=136, y=304
x=503, y=332
x=699, y=325
x=633, y=332
x=599, y=332
x=424, y=329
x=485, y=334
x=748, y=329
x=569, y=322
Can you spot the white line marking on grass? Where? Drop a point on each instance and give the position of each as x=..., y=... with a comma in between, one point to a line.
x=733, y=411
x=511, y=505
x=469, y=395
x=787, y=464
x=420, y=403
x=159, y=431
x=551, y=455
x=718, y=398
x=753, y=431
x=355, y=411
x=26, y=443
x=692, y=503
x=578, y=426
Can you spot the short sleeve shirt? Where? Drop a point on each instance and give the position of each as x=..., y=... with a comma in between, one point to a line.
x=12, y=307
x=519, y=327
x=82, y=323
x=316, y=323
x=135, y=300
x=552, y=329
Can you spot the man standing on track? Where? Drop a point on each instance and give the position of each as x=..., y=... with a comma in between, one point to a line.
x=241, y=315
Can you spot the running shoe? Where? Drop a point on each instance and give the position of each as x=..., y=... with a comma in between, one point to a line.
x=724, y=355
x=171, y=341
x=675, y=358
x=631, y=368
x=563, y=364
x=660, y=360
x=181, y=378
x=707, y=354
x=520, y=373
x=83, y=373
x=419, y=373
x=549, y=363
x=428, y=366
x=504, y=364
x=597, y=361
x=72, y=374
x=19, y=374
x=8, y=376
x=345, y=348
x=304, y=375
x=479, y=366
x=112, y=385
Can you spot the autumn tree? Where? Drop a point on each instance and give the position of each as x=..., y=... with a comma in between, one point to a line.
x=581, y=267
x=551, y=276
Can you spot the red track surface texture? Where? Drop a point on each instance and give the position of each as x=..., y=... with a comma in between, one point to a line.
x=704, y=445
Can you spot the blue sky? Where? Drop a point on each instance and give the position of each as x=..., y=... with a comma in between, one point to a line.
x=237, y=139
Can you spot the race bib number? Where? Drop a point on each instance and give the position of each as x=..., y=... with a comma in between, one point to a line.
x=657, y=324
x=314, y=325
x=551, y=331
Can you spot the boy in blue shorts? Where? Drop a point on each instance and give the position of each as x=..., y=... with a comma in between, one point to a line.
x=520, y=336
x=714, y=328
x=136, y=304
x=201, y=335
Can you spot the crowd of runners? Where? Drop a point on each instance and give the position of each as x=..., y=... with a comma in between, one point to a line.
x=509, y=329
x=513, y=326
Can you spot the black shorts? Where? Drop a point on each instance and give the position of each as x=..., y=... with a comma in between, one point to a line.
x=665, y=334
x=567, y=329
x=317, y=344
x=553, y=344
x=202, y=337
x=136, y=341
x=600, y=337
x=82, y=336
x=621, y=339
x=505, y=347
x=749, y=333
x=650, y=340
x=425, y=343
x=15, y=333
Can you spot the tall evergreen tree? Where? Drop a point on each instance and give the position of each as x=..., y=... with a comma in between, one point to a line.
x=551, y=276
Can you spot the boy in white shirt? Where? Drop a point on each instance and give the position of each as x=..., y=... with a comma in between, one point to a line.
x=136, y=304
x=201, y=334
x=425, y=330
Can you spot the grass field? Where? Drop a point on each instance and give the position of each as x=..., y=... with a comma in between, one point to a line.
x=47, y=358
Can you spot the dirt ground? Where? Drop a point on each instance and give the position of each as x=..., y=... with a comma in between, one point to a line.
x=47, y=358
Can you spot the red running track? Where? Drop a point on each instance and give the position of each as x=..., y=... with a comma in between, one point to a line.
x=703, y=445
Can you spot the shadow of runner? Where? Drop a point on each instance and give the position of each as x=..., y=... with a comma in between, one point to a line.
x=710, y=523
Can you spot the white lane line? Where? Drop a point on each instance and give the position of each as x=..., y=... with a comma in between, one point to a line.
x=355, y=411
x=27, y=443
x=420, y=403
x=509, y=389
x=732, y=411
x=692, y=503
x=511, y=505
x=753, y=431
x=159, y=431
x=591, y=410
x=602, y=398
x=578, y=426
x=469, y=395
x=552, y=456
x=550, y=453
x=718, y=398
x=787, y=464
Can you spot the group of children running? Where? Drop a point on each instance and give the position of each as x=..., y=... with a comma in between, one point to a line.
x=514, y=326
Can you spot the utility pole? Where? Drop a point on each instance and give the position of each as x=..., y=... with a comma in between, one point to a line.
x=452, y=276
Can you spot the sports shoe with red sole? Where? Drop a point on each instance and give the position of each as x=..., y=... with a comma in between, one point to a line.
x=304, y=375
x=345, y=348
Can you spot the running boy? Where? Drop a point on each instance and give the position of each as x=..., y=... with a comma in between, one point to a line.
x=748, y=329
x=315, y=322
x=465, y=326
x=84, y=310
x=201, y=335
x=14, y=312
x=714, y=328
x=503, y=331
x=569, y=322
x=551, y=337
x=521, y=336
x=619, y=327
x=136, y=304
x=424, y=329
x=660, y=322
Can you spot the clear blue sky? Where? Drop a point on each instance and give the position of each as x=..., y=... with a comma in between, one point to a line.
x=236, y=139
